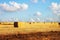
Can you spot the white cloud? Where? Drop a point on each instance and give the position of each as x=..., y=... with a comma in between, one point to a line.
x=55, y=19
x=34, y=1
x=55, y=7
x=24, y=6
x=10, y=20
x=38, y=13
x=43, y=1
x=32, y=20
x=50, y=19
x=38, y=19
x=0, y=12
x=13, y=6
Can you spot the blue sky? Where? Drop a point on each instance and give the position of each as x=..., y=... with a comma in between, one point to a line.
x=30, y=10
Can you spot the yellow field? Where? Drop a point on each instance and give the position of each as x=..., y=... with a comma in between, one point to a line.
x=26, y=27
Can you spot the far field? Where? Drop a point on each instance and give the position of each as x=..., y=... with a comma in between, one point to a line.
x=25, y=28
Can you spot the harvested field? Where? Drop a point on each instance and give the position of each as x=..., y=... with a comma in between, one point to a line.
x=33, y=36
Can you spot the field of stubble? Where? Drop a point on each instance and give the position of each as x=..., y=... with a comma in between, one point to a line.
x=32, y=36
x=8, y=32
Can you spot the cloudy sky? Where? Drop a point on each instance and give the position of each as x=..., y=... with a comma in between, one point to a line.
x=30, y=10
